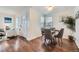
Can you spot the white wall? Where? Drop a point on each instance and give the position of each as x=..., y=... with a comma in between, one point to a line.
x=4, y=12
x=32, y=16
x=31, y=28
x=22, y=21
x=77, y=28
x=57, y=16
x=34, y=24
x=2, y=24
x=77, y=32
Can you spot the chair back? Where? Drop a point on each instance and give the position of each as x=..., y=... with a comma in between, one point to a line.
x=60, y=34
x=42, y=31
x=48, y=34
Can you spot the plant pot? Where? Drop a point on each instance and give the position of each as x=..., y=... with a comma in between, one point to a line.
x=71, y=38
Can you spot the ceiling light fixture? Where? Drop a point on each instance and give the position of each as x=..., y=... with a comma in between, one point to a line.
x=49, y=8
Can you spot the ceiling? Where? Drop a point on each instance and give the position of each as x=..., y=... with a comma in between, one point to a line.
x=56, y=9
x=41, y=9
x=13, y=9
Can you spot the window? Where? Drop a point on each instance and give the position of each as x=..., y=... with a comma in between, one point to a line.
x=49, y=22
x=7, y=20
x=42, y=22
x=46, y=22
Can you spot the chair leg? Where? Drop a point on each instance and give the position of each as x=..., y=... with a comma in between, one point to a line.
x=55, y=39
x=61, y=42
x=58, y=41
x=45, y=41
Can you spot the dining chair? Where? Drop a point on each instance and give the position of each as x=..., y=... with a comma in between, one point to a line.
x=49, y=40
x=59, y=36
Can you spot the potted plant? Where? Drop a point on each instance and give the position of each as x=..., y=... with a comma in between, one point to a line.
x=70, y=22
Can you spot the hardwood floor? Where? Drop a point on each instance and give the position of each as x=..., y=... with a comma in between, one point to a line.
x=67, y=46
x=20, y=44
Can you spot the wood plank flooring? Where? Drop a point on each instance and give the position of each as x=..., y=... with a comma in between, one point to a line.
x=19, y=44
x=67, y=46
